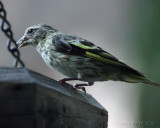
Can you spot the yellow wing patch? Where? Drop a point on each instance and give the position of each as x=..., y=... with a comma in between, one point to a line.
x=84, y=46
x=107, y=54
x=97, y=57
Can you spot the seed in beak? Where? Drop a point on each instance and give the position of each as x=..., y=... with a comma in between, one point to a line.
x=23, y=42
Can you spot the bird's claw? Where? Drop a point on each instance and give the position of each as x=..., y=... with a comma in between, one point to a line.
x=78, y=86
x=61, y=81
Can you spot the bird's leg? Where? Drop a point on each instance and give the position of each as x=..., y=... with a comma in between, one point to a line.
x=81, y=86
x=77, y=86
x=63, y=80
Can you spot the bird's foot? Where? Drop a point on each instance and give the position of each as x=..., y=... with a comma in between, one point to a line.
x=81, y=86
x=63, y=80
x=77, y=86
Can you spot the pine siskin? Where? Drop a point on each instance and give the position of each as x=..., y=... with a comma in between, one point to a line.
x=78, y=58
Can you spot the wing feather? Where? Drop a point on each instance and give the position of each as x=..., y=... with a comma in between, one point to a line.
x=77, y=46
x=61, y=45
x=81, y=47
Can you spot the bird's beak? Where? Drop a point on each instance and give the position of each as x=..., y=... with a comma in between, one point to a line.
x=22, y=42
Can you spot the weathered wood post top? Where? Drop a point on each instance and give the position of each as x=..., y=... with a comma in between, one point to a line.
x=30, y=100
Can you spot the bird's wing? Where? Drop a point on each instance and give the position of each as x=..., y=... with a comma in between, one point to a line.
x=61, y=44
x=81, y=47
x=77, y=46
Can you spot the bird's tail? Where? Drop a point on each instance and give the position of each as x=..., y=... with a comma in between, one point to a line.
x=131, y=75
x=140, y=79
x=151, y=82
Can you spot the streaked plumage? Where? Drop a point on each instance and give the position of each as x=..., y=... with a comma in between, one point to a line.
x=78, y=58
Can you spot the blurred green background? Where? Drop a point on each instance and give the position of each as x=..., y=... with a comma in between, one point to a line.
x=128, y=29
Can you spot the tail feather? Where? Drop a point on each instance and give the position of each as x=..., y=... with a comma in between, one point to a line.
x=140, y=79
x=137, y=79
x=133, y=76
x=148, y=81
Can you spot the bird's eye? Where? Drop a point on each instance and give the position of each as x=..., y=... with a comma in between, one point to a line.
x=30, y=31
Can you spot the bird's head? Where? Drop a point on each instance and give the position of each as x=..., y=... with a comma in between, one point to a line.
x=34, y=34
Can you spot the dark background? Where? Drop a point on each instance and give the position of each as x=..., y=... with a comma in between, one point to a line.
x=130, y=30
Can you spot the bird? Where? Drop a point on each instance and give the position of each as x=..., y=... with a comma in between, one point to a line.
x=78, y=58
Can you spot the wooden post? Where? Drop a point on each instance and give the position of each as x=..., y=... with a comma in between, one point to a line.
x=30, y=100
